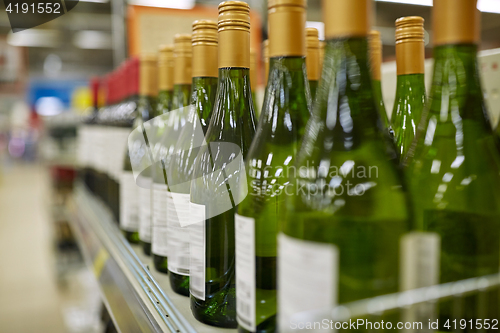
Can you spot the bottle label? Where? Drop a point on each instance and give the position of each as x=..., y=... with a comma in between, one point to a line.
x=129, y=215
x=245, y=271
x=145, y=194
x=178, y=237
x=419, y=268
x=307, y=277
x=158, y=238
x=197, y=250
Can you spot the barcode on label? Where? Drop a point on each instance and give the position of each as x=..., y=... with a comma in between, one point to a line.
x=197, y=251
x=245, y=271
x=178, y=237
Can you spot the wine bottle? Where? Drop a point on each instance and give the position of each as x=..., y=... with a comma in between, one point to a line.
x=284, y=116
x=312, y=59
x=346, y=209
x=265, y=52
x=322, y=45
x=253, y=78
x=218, y=169
x=180, y=173
x=129, y=191
x=410, y=89
x=375, y=46
x=169, y=133
x=147, y=108
x=165, y=78
x=454, y=167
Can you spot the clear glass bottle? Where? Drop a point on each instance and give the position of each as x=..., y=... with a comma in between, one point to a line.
x=346, y=209
x=215, y=187
x=282, y=124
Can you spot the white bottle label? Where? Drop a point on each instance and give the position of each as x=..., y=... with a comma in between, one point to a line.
x=129, y=192
x=197, y=251
x=245, y=271
x=145, y=217
x=159, y=236
x=419, y=268
x=178, y=237
x=307, y=277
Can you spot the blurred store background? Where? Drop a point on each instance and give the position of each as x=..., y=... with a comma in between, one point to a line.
x=44, y=93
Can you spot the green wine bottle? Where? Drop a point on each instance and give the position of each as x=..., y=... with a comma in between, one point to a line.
x=253, y=79
x=410, y=89
x=346, y=209
x=312, y=60
x=161, y=125
x=282, y=124
x=180, y=173
x=170, y=131
x=375, y=47
x=454, y=168
x=265, y=52
x=218, y=169
x=147, y=109
x=129, y=192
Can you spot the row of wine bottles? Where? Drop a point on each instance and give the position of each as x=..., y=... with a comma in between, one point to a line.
x=324, y=200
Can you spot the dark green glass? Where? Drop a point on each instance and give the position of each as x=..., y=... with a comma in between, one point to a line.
x=454, y=176
x=142, y=112
x=233, y=122
x=379, y=99
x=180, y=99
x=282, y=124
x=165, y=99
x=147, y=108
x=347, y=190
x=407, y=111
x=182, y=165
x=313, y=86
x=254, y=99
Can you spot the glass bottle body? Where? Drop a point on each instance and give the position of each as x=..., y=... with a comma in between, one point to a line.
x=273, y=150
x=347, y=203
x=228, y=138
x=407, y=111
x=453, y=173
x=168, y=132
x=181, y=172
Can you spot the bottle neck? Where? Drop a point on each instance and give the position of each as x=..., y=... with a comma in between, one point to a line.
x=146, y=108
x=288, y=98
x=345, y=103
x=234, y=117
x=410, y=84
x=203, y=98
x=165, y=101
x=181, y=97
x=456, y=85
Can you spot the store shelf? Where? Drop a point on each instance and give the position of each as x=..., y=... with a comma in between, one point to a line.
x=139, y=300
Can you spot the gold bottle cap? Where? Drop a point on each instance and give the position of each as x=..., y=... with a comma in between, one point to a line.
x=456, y=22
x=182, y=59
x=347, y=18
x=410, y=48
x=148, y=84
x=253, y=70
x=287, y=20
x=265, y=52
x=166, y=68
x=204, y=41
x=375, y=44
x=234, y=34
x=312, y=58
